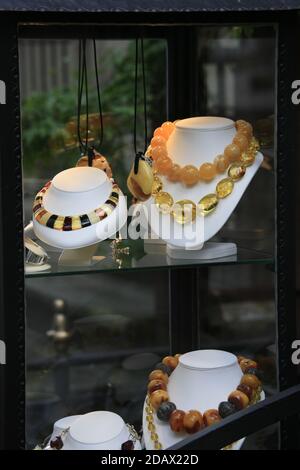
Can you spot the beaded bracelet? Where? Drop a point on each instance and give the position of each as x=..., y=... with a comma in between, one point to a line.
x=247, y=393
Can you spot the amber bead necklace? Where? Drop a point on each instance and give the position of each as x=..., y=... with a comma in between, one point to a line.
x=247, y=393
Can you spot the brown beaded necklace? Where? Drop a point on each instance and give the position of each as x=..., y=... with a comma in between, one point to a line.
x=247, y=393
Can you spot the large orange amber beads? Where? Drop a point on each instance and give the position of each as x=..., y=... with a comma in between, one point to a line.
x=167, y=128
x=159, y=375
x=211, y=417
x=221, y=163
x=170, y=361
x=159, y=132
x=207, y=171
x=158, y=397
x=156, y=385
x=174, y=174
x=241, y=141
x=176, y=421
x=251, y=380
x=239, y=399
x=232, y=152
x=158, y=152
x=164, y=165
x=158, y=141
x=189, y=175
x=193, y=421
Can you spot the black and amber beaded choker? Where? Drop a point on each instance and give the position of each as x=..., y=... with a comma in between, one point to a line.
x=74, y=222
x=247, y=393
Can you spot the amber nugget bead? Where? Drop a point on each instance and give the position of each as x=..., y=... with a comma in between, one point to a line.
x=207, y=171
x=251, y=380
x=247, y=363
x=211, y=417
x=159, y=375
x=232, y=152
x=170, y=361
x=193, y=421
x=158, y=397
x=247, y=390
x=156, y=385
x=176, y=421
x=238, y=399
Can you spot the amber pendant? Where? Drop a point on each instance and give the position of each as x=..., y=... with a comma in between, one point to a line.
x=99, y=161
x=141, y=178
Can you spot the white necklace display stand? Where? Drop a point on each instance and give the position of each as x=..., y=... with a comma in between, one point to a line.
x=201, y=381
x=193, y=142
x=77, y=191
x=98, y=430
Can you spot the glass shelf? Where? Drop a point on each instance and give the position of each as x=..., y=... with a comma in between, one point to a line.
x=103, y=260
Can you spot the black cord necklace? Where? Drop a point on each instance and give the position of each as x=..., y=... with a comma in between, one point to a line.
x=85, y=148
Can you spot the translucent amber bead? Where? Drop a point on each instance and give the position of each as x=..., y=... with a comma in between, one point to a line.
x=246, y=131
x=170, y=361
x=247, y=390
x=236, y=171
x=211, y=417
x=240, y=123
x=207, y=171
x=224, y=188
x=238, y=399
x=149, y=418
x=157, y=185
x=184, y=211
x=158, y=152
x=241, y=141
x=167, y=128
x=176, y=421
x=247, y=363
x=149, y=410
x=156, y=385
x=163, y=165
x=164, y=202
x=251, y=380
x=154, y=436
x=151, y=427
x=174, y=174
x=221, y=163
x=208, y=204
x=189, y=175
x=158, y=397
x=158, y=141
x=247, y=158
x=157, y=445
x=193, y=421
x=159, y=375
x=232, y=152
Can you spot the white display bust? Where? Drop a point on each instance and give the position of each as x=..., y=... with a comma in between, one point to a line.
x=201, y=381
x=77, y=191
x=193, y=142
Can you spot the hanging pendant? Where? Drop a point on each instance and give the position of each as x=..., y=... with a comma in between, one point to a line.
x=141, y=178
x=99, y=161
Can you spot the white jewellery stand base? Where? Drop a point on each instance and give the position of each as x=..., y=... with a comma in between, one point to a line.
x=194, y=142
x=201, y=381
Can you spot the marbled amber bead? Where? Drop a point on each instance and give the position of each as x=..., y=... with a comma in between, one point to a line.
x=165, y=410
x=193, y=421
x=247, y=390
x=207, y=171
x=159, y=375
x=221, y=163
x=189, y=175
x=226, y=409
x=158, y=141
x=176, y=421
x=247, y=363
x=167, y=128
x=247, y=131
x=251, y=380
x=158, y=152
x=184, y=211
x=241, y=141
x=232, y=152
x=157, y=185
x=239, y=399
x=156, y=385
x=236, y=171
x=240, y=123
x=174, y=174
x=158, y=397
x=163, y=165
x=208, y=204
x=164, y=202
x=239, y=358
x=224, y=188
x=211, y=417
x=170, y=361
